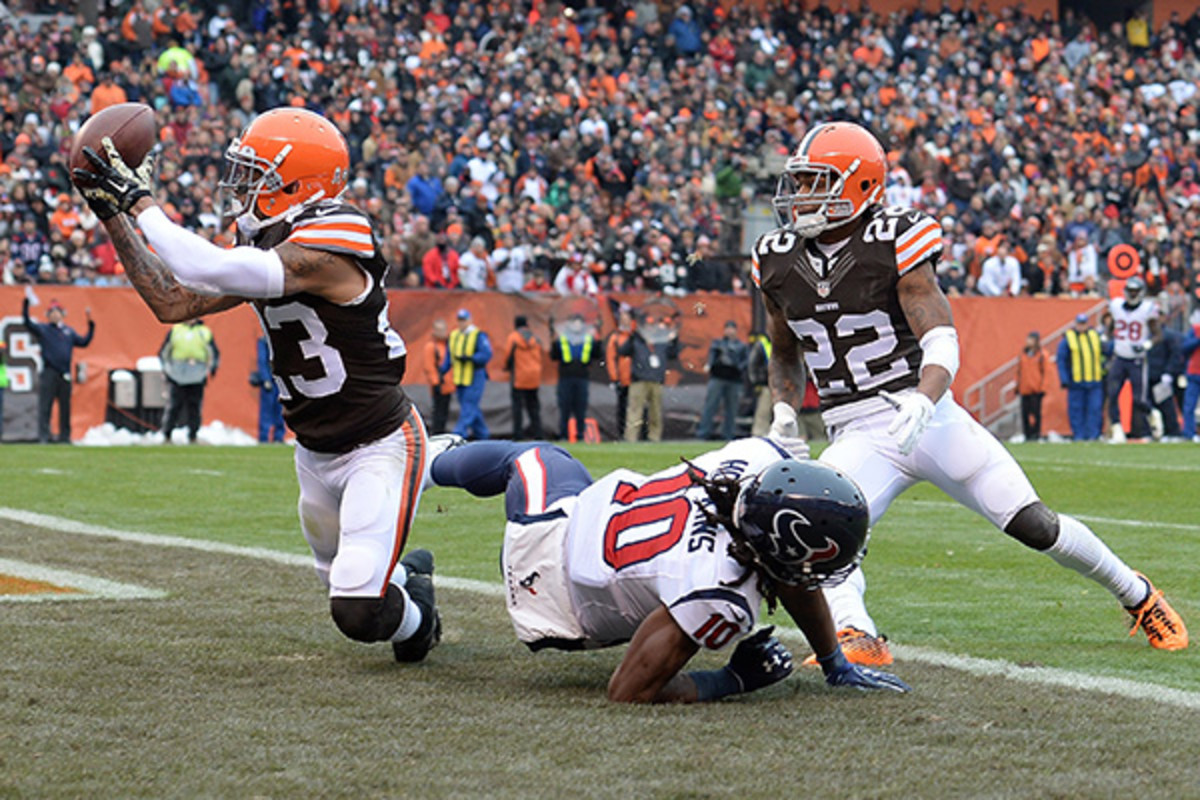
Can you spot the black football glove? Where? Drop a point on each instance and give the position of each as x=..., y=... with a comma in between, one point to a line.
x=112, y=186
x=760, y=660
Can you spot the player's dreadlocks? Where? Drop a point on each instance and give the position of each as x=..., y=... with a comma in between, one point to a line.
x=722, y=491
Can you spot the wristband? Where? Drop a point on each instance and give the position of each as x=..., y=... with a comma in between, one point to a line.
x=714, y=684
x=834, y=662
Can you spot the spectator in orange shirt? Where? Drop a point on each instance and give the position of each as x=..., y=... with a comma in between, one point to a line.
x=107, y=93
x=1031, y=386
x=78, y=72
x=441, y=387
x=524, y=364
x=440, y=265
x=66, y=217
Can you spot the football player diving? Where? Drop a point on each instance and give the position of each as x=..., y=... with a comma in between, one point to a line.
x=309, y=265
x=850, y=285
x=673, y=562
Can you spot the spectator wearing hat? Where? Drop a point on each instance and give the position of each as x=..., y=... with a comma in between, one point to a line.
x=524, y=364
x=1080, y=360
x=1031, y=385
x=468, y=352
x=574, y=348
x=440, y=265
x=58, y=343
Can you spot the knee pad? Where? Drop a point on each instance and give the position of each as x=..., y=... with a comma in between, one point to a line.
x=1034, y=526
x=354, y=567
x=368, y=619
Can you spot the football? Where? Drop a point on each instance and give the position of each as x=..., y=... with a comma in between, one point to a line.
x=131, y=127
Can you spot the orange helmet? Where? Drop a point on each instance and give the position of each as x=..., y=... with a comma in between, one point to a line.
x=285, y=160
x=836, y=173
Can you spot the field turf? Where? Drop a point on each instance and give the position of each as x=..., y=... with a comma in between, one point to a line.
x=236, y=684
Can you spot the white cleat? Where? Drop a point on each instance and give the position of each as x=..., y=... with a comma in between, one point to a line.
x=1117, y=434
x=436, y=445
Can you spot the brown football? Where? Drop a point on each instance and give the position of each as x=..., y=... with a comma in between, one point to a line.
x=131, y=127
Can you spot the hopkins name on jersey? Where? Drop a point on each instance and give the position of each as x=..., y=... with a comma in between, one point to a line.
x=842, y=304
x=1131, y=327
x=637, y=542
x=338, y=366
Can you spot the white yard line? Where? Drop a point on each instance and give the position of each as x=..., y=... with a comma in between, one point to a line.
x=1129, y=523
x=1116, y=465
x=1042, y=676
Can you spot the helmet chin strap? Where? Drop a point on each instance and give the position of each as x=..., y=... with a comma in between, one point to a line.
x=809, y=226
x=249, y=225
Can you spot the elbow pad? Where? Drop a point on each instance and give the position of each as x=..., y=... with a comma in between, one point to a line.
x=205, y=268
x=940, y=346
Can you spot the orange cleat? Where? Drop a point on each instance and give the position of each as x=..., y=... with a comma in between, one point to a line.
x=860, y=648
x=1162, y=624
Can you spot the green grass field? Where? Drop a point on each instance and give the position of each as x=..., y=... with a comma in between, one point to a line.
x=236, y=684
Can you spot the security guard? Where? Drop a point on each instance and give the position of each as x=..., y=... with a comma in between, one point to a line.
x=573, y=349
x=466, y=360
x=1080, y=360
x=189, y=357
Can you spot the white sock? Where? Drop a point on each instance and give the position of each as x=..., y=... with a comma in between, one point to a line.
x=410, y=621
x=1079, y=549
x=846, y=604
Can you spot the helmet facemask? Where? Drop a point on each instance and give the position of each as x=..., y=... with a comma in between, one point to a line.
x=1135, y=292
x=808, y=199
x=249, y=179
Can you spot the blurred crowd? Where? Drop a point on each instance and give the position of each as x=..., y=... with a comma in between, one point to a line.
x=536, y=146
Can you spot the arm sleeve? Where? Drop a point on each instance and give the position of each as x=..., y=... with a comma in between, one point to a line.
x=203, y=267
x=30, y=325
x=84, y=341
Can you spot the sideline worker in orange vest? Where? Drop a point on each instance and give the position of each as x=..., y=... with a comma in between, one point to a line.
x=1031, y=385
x=441, y=387
x=620, y=368
x=524, y=364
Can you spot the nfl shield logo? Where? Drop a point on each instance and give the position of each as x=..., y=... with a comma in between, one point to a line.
x=823, y=288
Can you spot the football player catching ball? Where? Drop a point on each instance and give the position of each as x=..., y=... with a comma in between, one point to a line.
x=309, y=265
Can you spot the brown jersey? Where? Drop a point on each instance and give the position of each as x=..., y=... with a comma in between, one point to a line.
x=843, y=305
x=338, y=366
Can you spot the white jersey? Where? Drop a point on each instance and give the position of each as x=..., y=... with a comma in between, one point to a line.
x=636, y=542
x=1131, y=327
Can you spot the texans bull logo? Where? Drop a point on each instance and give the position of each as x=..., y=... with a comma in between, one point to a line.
x=791, y=539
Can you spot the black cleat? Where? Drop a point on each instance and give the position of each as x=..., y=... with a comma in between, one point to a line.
x=419, y=566
x=417, y=562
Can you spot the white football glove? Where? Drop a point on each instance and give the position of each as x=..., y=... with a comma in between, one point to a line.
x=784, y=424
x=913, y=412
x=785, y=432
